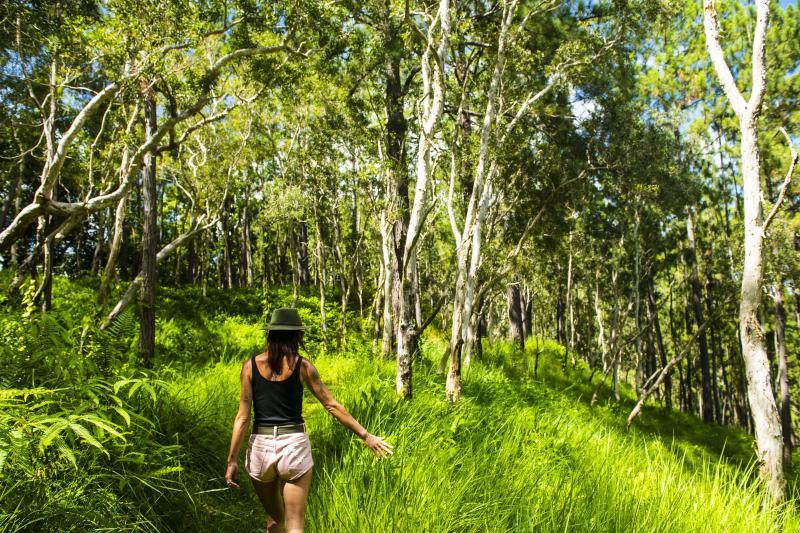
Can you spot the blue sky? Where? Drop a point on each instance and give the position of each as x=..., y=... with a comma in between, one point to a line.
x=785, y=3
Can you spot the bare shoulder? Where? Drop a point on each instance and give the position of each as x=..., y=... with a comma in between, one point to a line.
x=307, y=369
x=246, y=367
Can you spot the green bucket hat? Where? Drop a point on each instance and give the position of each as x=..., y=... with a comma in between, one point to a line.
x=286, y=319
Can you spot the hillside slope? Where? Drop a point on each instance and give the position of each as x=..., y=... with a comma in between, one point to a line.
x=517, y=454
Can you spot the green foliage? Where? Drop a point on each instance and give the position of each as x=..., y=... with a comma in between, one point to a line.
x=116, y=449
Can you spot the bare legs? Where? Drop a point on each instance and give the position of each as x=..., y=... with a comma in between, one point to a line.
x=284, y=514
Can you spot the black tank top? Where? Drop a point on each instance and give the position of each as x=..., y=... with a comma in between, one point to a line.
x=277, y=403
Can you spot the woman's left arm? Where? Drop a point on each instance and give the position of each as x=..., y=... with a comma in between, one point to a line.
x=311, y=377
x=240, y=424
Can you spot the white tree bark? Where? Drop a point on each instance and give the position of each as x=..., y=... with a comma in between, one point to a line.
x=43, y=202
x=432, y=69
x=468, y=240
x=769, y=441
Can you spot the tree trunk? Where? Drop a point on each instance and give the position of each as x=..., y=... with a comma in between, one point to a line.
x=114, y=250
x=266, y=264
x=99, y=244
x=570, y=306
x=355, y=268
x=247, y=248
x=715, y=352
x=783, y=374
x=762, y=399
x=705, y=385
x=653, y=317
x=515, y=315
x=396, y=212
x=227, y=265
x=432, y=105
x=527, y=312
x=769, y=441
x=147, y=298
x=23, y=169
x=387, y=249
x=322, y=278
x=304, y=277
x=136, y=284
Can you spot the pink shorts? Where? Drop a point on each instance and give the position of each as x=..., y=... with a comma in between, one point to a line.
x=285, y=456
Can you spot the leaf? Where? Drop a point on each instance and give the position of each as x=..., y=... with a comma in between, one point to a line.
x=134, y=388
x=166, y=470
x=88, y=437
x=66, y=452
x=53, y=431
x=119, y=384
x=103, y=424
x=124, y=414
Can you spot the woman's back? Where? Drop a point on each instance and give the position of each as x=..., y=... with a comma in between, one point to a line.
x=276, y=402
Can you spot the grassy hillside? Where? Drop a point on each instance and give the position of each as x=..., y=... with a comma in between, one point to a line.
x=89, y=443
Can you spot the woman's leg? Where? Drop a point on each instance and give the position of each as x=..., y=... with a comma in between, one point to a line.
x=270, y=495
x=295, y=494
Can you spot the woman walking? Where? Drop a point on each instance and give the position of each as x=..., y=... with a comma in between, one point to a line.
x=278, y=457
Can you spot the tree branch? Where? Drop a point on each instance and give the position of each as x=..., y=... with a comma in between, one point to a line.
x=711, y=26
x=785, y=185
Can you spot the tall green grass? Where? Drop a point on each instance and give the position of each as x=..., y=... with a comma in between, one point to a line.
x=515, y=455
x=518, y=453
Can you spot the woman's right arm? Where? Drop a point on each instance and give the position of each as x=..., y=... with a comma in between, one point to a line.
x=311, y=377
x=240, y=424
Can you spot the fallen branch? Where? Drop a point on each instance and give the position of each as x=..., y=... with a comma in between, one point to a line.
x=663, y=374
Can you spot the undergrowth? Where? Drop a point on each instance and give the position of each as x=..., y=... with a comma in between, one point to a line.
x=88, y=441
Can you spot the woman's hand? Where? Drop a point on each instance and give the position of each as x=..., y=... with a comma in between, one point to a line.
x=378, y=445
x=230, y=474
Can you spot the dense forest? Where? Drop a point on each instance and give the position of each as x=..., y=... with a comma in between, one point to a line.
x=550, y=248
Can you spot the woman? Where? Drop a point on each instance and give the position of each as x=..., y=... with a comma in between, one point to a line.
x=279, y=453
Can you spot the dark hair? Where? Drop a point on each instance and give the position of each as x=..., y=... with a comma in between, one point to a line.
x=280, y=344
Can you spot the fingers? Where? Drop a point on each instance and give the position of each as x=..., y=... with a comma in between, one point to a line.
x=381, y=448
x=230, y=476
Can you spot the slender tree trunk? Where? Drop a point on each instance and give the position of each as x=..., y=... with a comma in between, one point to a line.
x=653, y=317
x=397, y=209
x=344, y=286
x=355, y=281
x=265, y=256
x=114, y=249
x=99, y=244
x=762, y=399
x=783, y=373
x=23, y=169
x=769, y=441
x=515, y=315
x=377, y=311
x=527, y=309
x=304, y=277
x=433, y=75
x=715, y=352
x=705, y=385
x=227, y=272
x=247, y=249
x=45, y=291
x=417, y=295
x=322, y=277
x=570, y=305
x=387, y=249
x=147, y=298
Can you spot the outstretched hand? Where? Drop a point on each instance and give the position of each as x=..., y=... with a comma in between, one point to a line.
x=230, y=475
x=379, y=446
